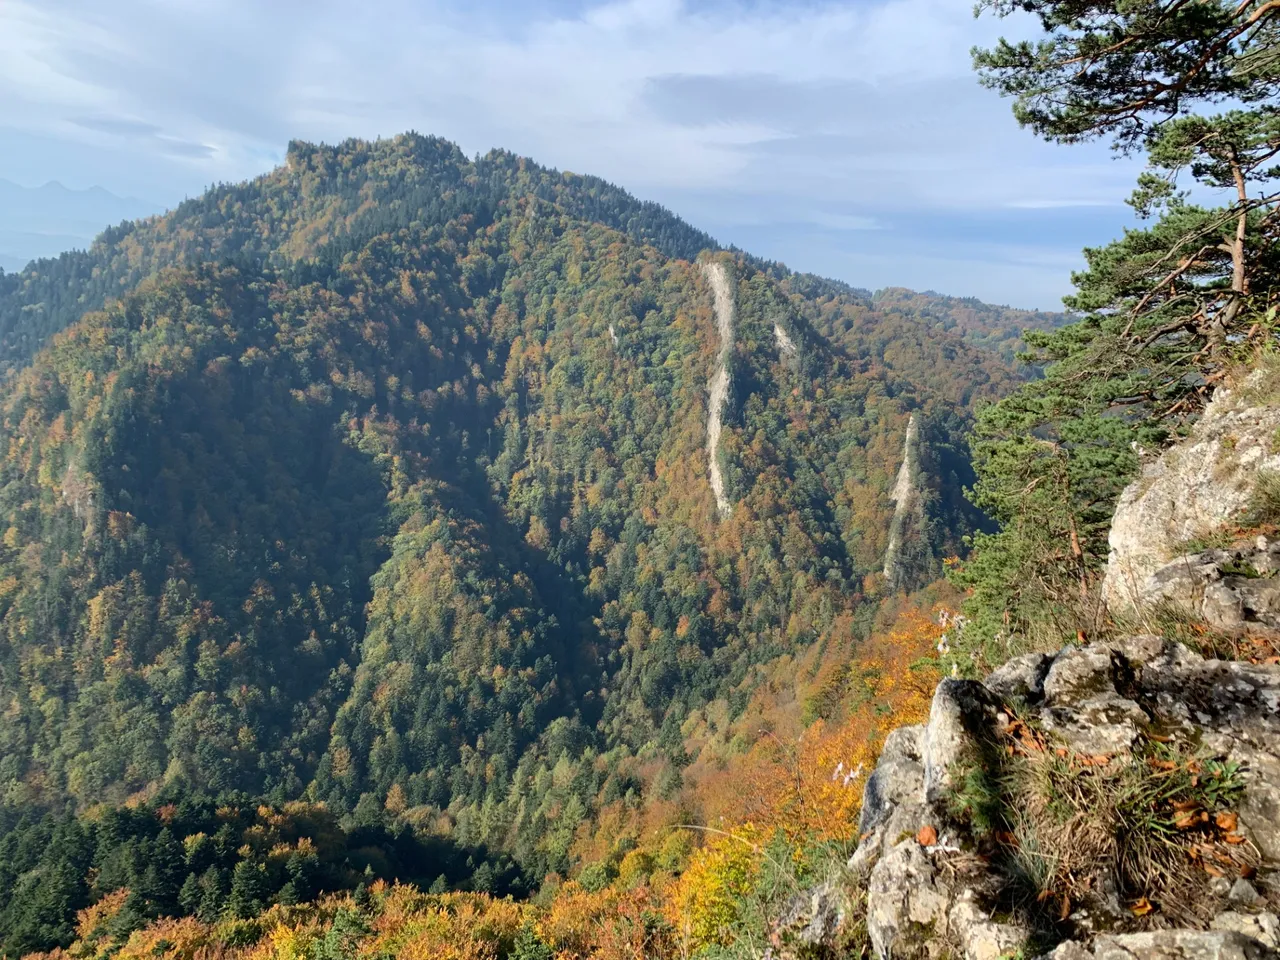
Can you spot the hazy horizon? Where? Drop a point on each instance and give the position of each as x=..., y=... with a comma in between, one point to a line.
x=849, y=139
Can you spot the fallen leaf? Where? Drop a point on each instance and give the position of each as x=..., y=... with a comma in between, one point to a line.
x=1248, y=871
x=1191, y=819
x=1182, y=806
x=927, y=836
x=1226, y=820
x=1163, y=764
x=1044, y=895
x=1234, y=838
x=1066, y=908
x=1212, y=871
x=1141, y=908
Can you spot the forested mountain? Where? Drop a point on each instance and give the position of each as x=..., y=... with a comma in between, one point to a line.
x=335, y=198
x=997, y=328
x=382, y=482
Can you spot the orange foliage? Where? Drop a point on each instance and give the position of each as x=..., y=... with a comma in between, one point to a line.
x=607, y=925
x=810, y=783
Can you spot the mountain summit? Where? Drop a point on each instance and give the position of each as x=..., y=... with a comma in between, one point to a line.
x=393, y=478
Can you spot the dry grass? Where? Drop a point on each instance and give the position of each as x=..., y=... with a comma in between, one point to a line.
x=1170, y=621
x=1134, y=840
x=1140, y=834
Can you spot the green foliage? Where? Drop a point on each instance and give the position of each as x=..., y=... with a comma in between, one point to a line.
x=212, y=860
x=381, y=482
x=1114, y=69
x=1169, y=310
x=528, y=946
x=999, y=329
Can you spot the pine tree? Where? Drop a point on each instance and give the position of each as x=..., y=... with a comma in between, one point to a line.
x=528, y=945
x=248, y=890
x=1166, y=310
x=190, y=895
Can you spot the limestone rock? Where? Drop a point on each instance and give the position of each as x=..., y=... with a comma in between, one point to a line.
x=982, y=937
x=1228, y=589
x=907, y=904
x=1168, y=945
x=1083, y=706
x=1263, y=927
x=1193, y=490
x=923, y=902
x=810, y=923
x=961, y=712
x=1021, y=678
x=893, y=798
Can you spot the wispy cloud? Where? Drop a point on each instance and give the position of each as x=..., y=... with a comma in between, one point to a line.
x=864, y=110
x=1060, y=204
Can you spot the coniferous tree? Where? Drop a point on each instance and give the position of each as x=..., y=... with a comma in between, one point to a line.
x=1166, y=310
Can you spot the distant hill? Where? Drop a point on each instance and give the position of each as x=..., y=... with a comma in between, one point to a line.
x=40, y=222
x=997, y=328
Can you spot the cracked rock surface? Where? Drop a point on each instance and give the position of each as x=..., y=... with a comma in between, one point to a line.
x=926, y=901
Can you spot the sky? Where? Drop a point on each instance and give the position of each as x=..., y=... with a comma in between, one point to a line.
x=848, y=138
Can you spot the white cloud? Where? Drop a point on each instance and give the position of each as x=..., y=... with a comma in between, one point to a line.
x=862, y=110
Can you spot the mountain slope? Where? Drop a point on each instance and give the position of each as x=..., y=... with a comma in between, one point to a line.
x=331, y=199
x=377, y=492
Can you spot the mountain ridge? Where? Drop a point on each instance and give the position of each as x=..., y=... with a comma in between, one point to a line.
x=382, y=484
x=436, y=173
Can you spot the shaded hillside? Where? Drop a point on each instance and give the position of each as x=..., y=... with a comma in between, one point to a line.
x=417, y=516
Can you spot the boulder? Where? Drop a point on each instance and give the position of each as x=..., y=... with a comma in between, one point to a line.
x=1228, y=589
x=1263, y=927
x=960, y=719
x=810, y=924
x=1083, y=706
x=1021, y=678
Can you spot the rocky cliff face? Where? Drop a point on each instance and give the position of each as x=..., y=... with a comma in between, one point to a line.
x=908, y=550
x=1110, y=801
x=1192, y=492
x=1012, y=821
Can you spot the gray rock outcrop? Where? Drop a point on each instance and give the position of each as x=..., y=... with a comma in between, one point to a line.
x=929, y=895
x=1230, y=589
x=1168, y=945
x=1190, y=492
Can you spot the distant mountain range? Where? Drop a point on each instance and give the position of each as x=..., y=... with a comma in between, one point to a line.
x=44, y=221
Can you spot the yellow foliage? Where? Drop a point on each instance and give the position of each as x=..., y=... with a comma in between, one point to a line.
x=705, y=901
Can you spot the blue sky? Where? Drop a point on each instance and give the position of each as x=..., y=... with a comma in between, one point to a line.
x=847, y=138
